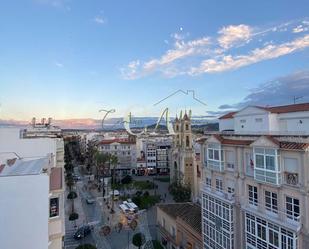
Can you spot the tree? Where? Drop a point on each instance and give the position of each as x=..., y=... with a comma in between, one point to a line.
x=70, y=181
x=73, y=217
x=138, y=240
x=71, y=196
x=126, y=180
x=113, y=161
x=101, y=159
x=180, y=193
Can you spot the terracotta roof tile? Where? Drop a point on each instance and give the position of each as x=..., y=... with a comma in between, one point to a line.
x=228, y=115
x=288, y=108
x=294, y=146
x=189, y=212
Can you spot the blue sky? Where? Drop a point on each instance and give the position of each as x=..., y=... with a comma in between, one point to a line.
x=68, y=59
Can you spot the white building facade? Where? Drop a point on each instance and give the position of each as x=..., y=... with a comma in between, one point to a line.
x=255, y=184
x=12, y=144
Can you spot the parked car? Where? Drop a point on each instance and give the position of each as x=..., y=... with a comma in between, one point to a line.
x=90, y=200
x=82, y=232
x=76, y=178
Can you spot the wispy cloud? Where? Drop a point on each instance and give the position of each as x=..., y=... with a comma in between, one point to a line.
x=99, y=20
x=221, y=52
x=233, y=35
x=229, y=62
x=59, y=64
x=55, y=3
x=279, y=91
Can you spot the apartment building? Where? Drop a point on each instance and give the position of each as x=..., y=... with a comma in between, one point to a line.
x=156, y=150
x=255, y=180
x=30, y=173
x=125, y=150
x=179, y=225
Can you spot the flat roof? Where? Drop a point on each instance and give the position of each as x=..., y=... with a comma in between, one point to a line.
x=18, y=167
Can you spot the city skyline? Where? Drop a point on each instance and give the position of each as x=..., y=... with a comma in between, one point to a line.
x=129, y=56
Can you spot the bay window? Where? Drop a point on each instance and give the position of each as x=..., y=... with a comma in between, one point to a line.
x=266, y=165
x=215, y=157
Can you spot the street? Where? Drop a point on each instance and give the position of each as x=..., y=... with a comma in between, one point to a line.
x=98, y=214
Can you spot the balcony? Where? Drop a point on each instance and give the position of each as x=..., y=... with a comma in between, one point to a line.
x=280, y=217
x=225, y=196
x=267, y=176
x=291, y=179
x=215, y=165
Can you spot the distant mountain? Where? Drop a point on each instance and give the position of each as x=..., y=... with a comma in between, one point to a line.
x=111, y=123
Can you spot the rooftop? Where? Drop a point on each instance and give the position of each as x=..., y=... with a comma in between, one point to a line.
x=276, y=109
x=18, y=167
x=189, y=212
x=286, y=145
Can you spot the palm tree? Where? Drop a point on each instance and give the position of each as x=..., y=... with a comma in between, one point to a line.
x=113, y=161
x=101, y=159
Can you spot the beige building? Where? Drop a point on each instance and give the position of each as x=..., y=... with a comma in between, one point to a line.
x=256, y=188
x=186, y=166
x=179, y=225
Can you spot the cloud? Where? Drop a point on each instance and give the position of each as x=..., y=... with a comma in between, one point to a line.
x=279, y=91
x=55, y=3
x=182, y=49
x=58, y=64
x=130, y=72
x=233, y=47
x=99, y=20
x=233, y=35
x=229, y=62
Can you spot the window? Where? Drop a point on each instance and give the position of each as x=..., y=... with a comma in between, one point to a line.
x=54, y=207
x=187, y=127
x=177, y=127
x=230, y=190
x=271, y=201
x=242, y=121
x=259, y=120
x=266, y=165
x=163, y=222
x=292, y=208
x=208, y=181
x=219, y=186
x=253, y=195
x=173, y=232
x=187, y=141
x=264, y=234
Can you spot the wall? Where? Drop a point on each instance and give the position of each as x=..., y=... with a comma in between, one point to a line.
x=226, y=124
x=24, y=212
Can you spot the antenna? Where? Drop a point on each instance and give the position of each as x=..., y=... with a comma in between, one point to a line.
x=297, y=98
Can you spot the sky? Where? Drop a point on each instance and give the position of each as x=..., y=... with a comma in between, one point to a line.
x=71, y=58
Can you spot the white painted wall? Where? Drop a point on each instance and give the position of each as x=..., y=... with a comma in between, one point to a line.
x=226, y=124
x=28, y=147
x=24, y=212
x=297, y=122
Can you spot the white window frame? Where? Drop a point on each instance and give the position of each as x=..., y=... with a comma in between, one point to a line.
x=219, y=184
x=252, y=191
x=291, y=214
x=272, y=205
x=265, y=169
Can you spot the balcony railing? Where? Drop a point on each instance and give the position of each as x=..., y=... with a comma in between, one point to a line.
x=215, y=165
x=291, y=178
x=218, y=193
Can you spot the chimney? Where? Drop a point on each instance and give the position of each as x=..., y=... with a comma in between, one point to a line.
x=43, y=121
x=49, y=121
